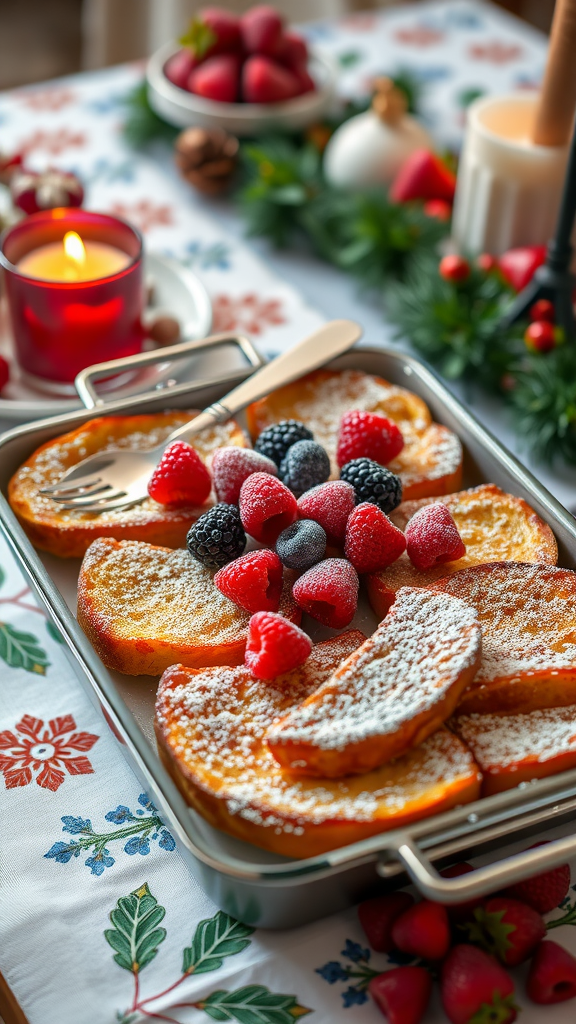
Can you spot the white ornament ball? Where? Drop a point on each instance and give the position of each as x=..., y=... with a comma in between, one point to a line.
x=367, y=151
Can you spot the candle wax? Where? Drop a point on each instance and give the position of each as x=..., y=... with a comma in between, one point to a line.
x=51, y=263
x=511, y=120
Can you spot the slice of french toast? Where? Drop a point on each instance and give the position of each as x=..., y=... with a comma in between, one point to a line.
x=211, y=724
x=528, y=619
x=145, y=607
x=494, y=526
x=515, y=749
x=429, y=463
x=68, y=532
x=389, y=695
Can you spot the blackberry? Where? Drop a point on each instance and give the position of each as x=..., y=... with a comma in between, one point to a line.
x=373, y=482
x=275, y=440
x=217, y=537
x=305, y=465
x=301, y=545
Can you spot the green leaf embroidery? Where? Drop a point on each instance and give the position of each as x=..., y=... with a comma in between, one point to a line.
x=2, y=576
x=53, y=633
x=214, y=939
x=136, y=936
x=22, y=650
x=253, y=1004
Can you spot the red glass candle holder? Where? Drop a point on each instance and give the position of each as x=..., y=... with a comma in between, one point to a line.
x=61, y=327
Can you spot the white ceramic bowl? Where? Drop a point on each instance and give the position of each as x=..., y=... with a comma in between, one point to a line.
x=183, y=109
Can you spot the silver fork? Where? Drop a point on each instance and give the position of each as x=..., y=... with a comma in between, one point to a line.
x=118, y=478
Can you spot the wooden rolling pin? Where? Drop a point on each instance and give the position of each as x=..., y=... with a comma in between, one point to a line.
x=555, y=113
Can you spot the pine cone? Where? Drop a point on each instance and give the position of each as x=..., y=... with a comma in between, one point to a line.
x=207, y=158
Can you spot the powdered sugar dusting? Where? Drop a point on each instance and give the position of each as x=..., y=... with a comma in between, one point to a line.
x=503, y=740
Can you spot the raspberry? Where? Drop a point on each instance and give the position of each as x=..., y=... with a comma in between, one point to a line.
x=253, y=581
x=305, y=465
x=274, y=441
x=329, y=592
x=180, y=478
x=432, y=537
x=274, y=645
x=217, y=536
x=329, y=504
x=365, y=434
x=372, y=540
x=266, y=507
x=302, y=544
x=372, y=482
x=232, y=465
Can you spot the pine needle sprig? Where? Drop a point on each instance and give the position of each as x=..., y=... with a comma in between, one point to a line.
x=543, y=400
x=142, y=124
x=281, y=179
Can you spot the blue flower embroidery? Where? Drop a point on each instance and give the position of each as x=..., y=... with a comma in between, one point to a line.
x=138, y=844
x=99, y=861
x=76, y=825
x=354, y=997
x=121, y=814
x=63, y=852
x=332, y=972
x=354, y=951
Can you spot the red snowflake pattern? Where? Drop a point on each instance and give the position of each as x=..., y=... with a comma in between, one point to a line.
x=54, y=142
x=246, y=313
x=53, y=98
x=144, y=214
x=35, y=752
x=495, y=52
x=364, y=21
x=419, y=36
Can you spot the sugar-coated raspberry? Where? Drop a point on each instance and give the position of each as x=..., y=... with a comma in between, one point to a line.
x=253, y=581
x=305, y=465
x=432, y=537
x=217, y=536
x=329, y=592
x=180, y=478
x=232, y=465
x=266, y=507
x=274, y=646
x=372, y=541
x=301, y=545
x=373, y=482
x=329, y=504
x=368, y=435
x=275, y=440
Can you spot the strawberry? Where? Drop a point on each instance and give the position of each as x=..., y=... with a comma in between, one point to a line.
x=475, y=988
x=552, y=975
x=217, y=78
x=305, y=81
x=253, y=581
x=329, y=504
x=265, y=81
x=4, y=372
x=372, y=541
x=180, y=478
x=518, y=265
x=178, y=68
x=402, y=994
x=293, y=52
x=378, y=915
x=213, y=32
x=459, y=912
x=423, y=176
x=261, y=29
x=369, y=435
x=274, y=646
x=423, y=930
x=545, y=891
x=507, y=928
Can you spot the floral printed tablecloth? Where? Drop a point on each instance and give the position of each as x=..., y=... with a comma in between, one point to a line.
x=91, y=882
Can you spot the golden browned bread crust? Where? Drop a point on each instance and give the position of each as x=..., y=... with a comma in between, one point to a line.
x=145, y=607
x=68, y=532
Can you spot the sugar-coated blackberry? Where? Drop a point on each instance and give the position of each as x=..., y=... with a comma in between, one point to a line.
x=217, y=537
x=305, y=465
x=274, y=441
x=373, y=482
x=301, y=545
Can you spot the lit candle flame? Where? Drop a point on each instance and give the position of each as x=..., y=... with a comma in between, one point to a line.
x=74, y=248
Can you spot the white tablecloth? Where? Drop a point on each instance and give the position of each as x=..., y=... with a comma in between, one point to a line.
x=78, y=838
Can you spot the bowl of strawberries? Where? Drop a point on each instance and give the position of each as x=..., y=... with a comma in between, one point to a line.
x=245, y=74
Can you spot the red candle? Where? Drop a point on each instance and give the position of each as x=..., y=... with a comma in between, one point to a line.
x=75, y=292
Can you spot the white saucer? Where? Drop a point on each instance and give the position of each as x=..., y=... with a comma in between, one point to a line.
x=176, y=292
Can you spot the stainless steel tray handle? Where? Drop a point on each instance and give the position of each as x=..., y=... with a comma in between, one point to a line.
x=484, y=880
x=84, y=381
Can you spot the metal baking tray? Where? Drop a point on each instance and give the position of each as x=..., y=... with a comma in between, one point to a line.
x=254, y=885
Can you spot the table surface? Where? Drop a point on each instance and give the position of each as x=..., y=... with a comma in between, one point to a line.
x=76, y=834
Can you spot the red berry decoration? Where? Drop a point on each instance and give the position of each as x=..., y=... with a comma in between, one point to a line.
x=540, y=336
x=440, y=209
x=372, y=541
x=486, y=262
x=476, y=989
x=423, y=176
x=261, y=29
x=378, y=915
x=274, y=646
x=180, y=478
x=459, y=912
x=432, y=537
x=232, y=465
x=519, y=265
x=454, y=269
x=9, y=165
x=402, y=994
x=542, y=309
x=217, y=78
x=266, y=81
x=32, y=192
x=507, y=928
x=368, y=435
x=266, y=507
x=545, y=891
x=423, y=930
x=552, y=975
x=329, y=592
x=329, y=504
x=177, y=69
x=4, y=373
x=253, y=581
